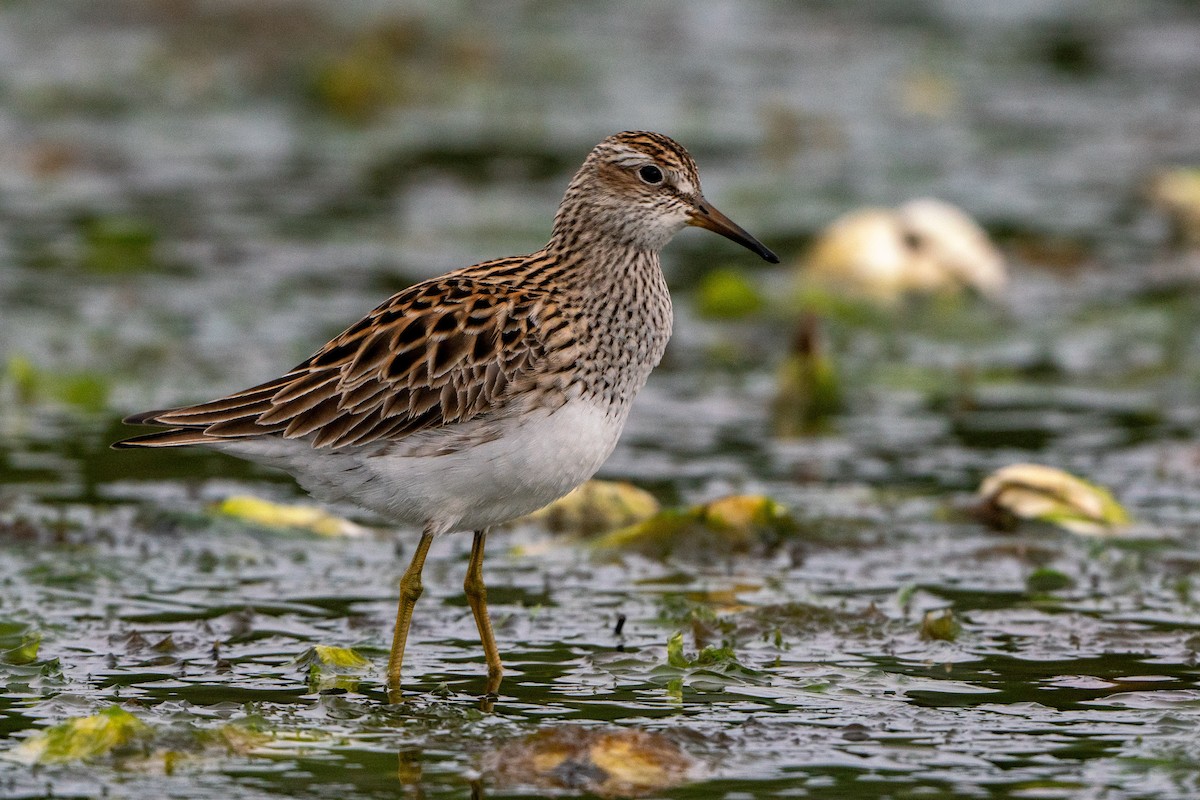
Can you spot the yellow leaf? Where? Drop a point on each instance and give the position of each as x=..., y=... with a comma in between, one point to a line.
x=1177, y=192
x=597, y=507
x=341, y=658
x=734, y=524
x=264, y=513
x=925, y=246
x=1047, y=494
x=82, y=738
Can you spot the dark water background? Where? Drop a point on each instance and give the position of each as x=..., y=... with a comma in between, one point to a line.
x=194, y=195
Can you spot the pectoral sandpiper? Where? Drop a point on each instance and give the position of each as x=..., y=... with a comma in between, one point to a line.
x=477, y=397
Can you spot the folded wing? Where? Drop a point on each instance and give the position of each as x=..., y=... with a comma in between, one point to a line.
x=441, y=352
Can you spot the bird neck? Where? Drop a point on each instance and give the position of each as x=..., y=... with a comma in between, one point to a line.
x=601, y=264
x=624, y=307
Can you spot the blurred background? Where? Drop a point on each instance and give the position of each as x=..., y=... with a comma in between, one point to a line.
x=223, y=184
x=195, y=195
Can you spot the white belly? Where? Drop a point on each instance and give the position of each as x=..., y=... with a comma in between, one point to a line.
x=539, y=458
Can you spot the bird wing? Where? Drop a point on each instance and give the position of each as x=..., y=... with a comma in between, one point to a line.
x=440, y=352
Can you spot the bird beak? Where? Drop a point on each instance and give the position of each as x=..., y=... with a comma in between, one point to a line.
x=705, y=216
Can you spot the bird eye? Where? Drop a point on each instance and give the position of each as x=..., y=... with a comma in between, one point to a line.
x=651, y=174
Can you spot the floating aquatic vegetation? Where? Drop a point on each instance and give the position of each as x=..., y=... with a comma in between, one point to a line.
x=807, y=389
x=713, y=668
x=596, y=507
x=1177, y=192
x=264, y=513
x=940, y=626
x=709, y=656
x=334, y=658
x=727, y=294
x=25, y=652
x=608, y=762
x=83, y=738
x=1046, y=494
x=116, y=245
x=1045, y=580
x=116, y=733
x=923, y=247
x=30, y=384
x=801, y=620
x=707, y=532
x=733, y=623
x=928, y=93
x=333, y=668
x=697, y=617
x=371, y=75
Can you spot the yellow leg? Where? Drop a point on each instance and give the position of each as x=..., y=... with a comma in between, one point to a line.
x=477, y=598
x=410, y=590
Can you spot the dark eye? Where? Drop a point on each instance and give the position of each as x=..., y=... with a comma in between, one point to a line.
x=651, y=174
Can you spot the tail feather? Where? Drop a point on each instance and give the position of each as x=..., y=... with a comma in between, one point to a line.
x=176, y=437
x=232, y=417
x=146, y=417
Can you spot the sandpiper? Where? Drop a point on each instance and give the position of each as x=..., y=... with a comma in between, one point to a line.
x=479, y=396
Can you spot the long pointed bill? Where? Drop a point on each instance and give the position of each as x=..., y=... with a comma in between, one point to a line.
x=705, y=216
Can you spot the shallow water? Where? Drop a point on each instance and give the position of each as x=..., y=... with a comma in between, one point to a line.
x=185, y=211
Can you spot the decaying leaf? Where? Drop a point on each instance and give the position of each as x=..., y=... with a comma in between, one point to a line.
x=136, y=745
x=735, y=524
x=1177, y=192
x=256, y=511
x=923, y=247
x=331, y=667
x=941, y=626
x=82, y=738
x=1046, y=494
x=605, y=762
x=330, y=657
x=597, y=507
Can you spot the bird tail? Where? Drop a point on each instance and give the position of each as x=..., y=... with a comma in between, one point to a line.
x=175, y=437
